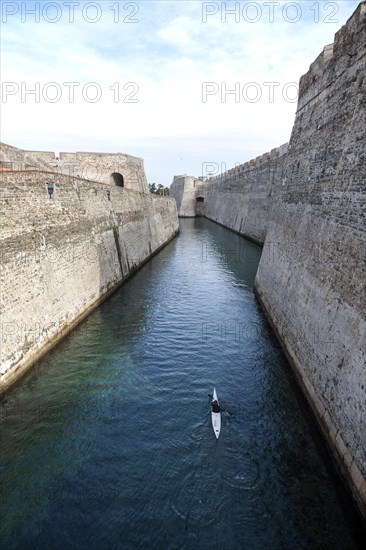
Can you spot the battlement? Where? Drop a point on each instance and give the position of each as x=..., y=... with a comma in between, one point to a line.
x=251, y=164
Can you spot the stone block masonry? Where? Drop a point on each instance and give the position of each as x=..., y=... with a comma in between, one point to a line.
x=306, y=203
x=61, y=256
x=186, y=190
x=242, y=199
x=101, y=166
x=311, y=278
x=125, y=170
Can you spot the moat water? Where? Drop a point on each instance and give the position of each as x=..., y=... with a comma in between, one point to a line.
x=108, y=443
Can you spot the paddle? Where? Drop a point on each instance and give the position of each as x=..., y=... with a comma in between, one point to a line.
x=221, y=409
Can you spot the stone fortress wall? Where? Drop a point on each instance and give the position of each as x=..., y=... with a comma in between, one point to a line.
x=306, y=203
x=242, y=198
x=311, y=278
x=61, y=256
x=12, y=158
x=101, y=167
x=186, y=190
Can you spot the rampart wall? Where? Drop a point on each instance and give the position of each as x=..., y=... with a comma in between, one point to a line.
x=61, y=256
x=100, y=167
x=92, y=166
x=311, y=278
x=242, y=199
x=307, y=204
x=185, y=190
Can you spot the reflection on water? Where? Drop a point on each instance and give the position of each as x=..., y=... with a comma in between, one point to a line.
x=108, y=442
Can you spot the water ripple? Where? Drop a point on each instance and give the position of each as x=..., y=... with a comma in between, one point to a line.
x=108, y=442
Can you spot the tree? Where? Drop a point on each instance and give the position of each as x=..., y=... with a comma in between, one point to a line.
x=159, y=190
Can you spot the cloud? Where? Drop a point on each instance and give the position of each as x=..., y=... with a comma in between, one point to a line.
x=162, y=61
x=178, y=33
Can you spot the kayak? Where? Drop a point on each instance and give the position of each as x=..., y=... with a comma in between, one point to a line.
x=216, y=417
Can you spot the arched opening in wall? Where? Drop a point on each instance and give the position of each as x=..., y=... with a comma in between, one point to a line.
x=117, y=179
x=200, y=199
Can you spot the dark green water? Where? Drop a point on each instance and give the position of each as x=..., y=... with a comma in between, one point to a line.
x=108, y=442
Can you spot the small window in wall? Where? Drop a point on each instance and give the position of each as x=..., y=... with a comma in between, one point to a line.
x=117, y=179
x=200, y=199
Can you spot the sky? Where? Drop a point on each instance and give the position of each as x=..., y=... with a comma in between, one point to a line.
x=192, y=87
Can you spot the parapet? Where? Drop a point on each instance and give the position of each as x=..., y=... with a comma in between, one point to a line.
x=44, y=155
x=347, y=49
x=187, y=182
x=109, y=168
x=100, y=155
x=345, y=37
x=252, y=164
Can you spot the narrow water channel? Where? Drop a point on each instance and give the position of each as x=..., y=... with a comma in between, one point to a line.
x=108, y=443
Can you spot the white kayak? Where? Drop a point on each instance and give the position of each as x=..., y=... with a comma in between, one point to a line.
x=216, y=417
